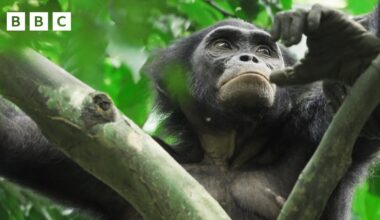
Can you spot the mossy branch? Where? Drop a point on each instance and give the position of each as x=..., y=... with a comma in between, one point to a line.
x=88, y=128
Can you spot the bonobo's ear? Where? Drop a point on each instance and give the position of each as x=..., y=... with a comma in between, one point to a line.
x=152, y=68
x=169, y=68
x=370, y=21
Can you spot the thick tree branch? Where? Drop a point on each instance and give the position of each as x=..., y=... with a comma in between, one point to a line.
x=333, y=155
x=88, y=128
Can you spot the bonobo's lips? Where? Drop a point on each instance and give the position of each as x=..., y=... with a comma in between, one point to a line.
x=235, y=76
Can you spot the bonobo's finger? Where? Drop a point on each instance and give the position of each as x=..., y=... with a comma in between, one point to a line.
x=309, y=70
x=276, y=27
x=289, y=77
x=286, y=24
x=298, y=26
x=283, y=77
x=292, y=76
x=314, y=18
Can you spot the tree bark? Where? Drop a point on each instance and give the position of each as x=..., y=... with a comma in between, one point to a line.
x=88, y=128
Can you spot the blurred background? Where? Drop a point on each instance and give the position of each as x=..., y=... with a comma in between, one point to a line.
x=110, y=41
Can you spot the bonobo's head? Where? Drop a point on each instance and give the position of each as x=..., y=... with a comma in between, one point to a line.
x=225, y=67
x=235, y=60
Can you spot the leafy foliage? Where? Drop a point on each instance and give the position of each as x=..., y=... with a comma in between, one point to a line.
x=360, y=7
x=109, y=42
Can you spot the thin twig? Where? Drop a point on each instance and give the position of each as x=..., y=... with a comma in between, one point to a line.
x=219, y=8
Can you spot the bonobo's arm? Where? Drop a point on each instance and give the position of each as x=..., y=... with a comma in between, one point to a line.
x=340, y=49
x=29, y=159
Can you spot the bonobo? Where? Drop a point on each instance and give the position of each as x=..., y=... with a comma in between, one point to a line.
x=243, y=137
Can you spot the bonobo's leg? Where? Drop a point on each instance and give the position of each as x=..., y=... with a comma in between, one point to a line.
x=26, y=157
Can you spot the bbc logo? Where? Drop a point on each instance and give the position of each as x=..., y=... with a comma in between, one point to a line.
x=39, y=21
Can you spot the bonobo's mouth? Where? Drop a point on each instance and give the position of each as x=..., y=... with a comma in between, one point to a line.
x=245, y=75
x=246, y=89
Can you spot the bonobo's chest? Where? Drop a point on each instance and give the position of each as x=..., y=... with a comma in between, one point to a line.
x=255, y=193
x=244, y=195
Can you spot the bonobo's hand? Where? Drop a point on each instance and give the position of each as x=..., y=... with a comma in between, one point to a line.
x=339, y=48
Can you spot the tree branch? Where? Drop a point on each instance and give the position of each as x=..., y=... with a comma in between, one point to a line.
x=213, y=4
x=333, y=155
x=89, y=129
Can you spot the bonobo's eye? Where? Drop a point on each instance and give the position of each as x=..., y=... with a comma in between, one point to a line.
x=222, y=44
x=265, y=50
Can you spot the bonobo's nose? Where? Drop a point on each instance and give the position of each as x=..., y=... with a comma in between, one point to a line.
x=248, y=57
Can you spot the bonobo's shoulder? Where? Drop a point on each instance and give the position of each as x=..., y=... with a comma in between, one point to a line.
x=306, y=93
x=308, y=101
x=310, y=114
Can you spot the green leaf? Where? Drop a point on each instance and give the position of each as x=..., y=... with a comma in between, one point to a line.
x=200, y=12
x=64, y=4
x=286, y=4
x=361, y=7
x=262, y=19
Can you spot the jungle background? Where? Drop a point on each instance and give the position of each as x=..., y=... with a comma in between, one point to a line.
x=109, y=42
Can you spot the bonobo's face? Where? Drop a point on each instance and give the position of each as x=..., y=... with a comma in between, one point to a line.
x=235, y=64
